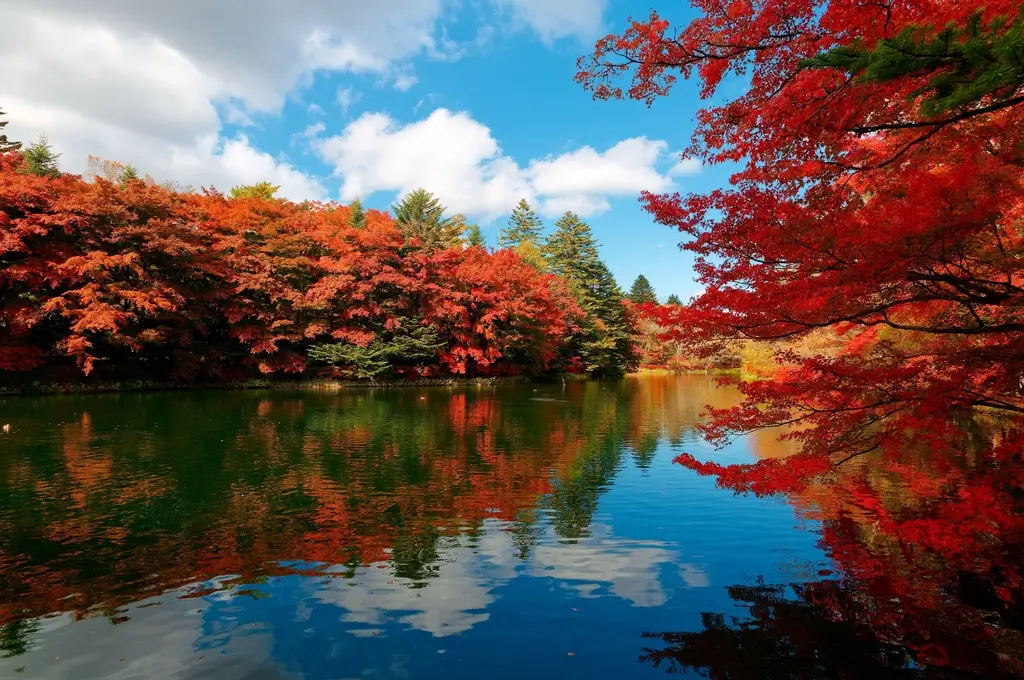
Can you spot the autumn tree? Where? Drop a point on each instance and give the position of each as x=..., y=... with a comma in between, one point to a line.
x=420, y=215
x=114, y=172
x=469, y=234
x=117, y=278
x=261, y=190
x=6, y=146
x=39, y=158
x=879, y=196
x=642, y=291
x=523, y=226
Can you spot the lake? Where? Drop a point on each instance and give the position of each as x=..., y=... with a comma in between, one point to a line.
x=508, y=531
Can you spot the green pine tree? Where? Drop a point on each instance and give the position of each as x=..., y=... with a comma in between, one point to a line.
x=5, y=144
x=673, y=299
x=475, y=237
x=128, y=173
x=420, y=216
x=380, y=357
x=642, y=291
x=606, y=342
x=263, y=190
x=571, y=251
x=40, y=159
x=356, y=214
x=968, y=63
x=523, y=226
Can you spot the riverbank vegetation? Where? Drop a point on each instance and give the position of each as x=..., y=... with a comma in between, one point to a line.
x=114, y=278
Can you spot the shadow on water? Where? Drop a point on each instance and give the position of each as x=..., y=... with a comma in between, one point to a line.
x=429, y=532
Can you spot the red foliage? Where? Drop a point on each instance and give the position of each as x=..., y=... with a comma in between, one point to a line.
x=134, y=280
x=855, y=210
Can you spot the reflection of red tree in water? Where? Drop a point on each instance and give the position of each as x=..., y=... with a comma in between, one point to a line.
x=930, y=551
x=352, y=489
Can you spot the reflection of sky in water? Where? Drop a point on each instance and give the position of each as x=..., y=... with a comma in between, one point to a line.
x=661, y=548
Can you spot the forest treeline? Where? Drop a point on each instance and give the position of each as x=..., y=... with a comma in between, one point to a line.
x=111, y=276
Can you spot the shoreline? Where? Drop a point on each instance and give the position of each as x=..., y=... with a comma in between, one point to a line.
x=111, y=387
x=41, y=389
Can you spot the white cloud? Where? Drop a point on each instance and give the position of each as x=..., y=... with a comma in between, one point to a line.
x=153, y=84
x=552, y=19
x=405, y=79
x=626, y=168
x=347, y=97
x=143, y=82
x=686, y=166
x=457, y=158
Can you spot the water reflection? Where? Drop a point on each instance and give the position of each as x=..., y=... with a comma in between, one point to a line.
x=928, y=560
x=431, y=533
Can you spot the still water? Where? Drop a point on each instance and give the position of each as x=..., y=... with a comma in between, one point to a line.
x=515, y=531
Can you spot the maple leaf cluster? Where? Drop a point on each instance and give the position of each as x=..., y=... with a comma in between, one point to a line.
x=129, y=279
x=878, y=199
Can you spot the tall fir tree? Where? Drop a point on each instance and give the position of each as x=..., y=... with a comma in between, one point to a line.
x=475, y=237
x=523, y=226
x=40, y=159
x=606, y=342
x=571, y=251
x=673, y=299
x=356, y=214
x=6, y=145
x=420, y=215
x=642, y=291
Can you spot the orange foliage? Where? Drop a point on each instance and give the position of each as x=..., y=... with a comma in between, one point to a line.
x=133, y=280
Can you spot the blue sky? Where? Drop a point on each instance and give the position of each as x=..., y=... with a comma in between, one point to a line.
x=473, y=99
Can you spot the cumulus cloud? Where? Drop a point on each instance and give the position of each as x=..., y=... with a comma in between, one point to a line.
x=152, y=83
x=457, y=157
x=561, y=19
x=685, y=166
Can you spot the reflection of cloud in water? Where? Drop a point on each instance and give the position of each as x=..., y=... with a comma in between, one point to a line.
x=468, y=576
x=452, y=603
x=693, y=576
x=93, y=648
x=471, y=572
x=631, y=567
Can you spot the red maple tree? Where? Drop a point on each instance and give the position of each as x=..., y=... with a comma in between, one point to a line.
x=880, y=149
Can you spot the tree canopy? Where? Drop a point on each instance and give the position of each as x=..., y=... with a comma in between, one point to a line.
x=39, y=158
x=642, y=291
x=261, y=190
x=878, y=197
x=475, y=237
x=420, y=215
x=571, y=252
x=523, y=227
